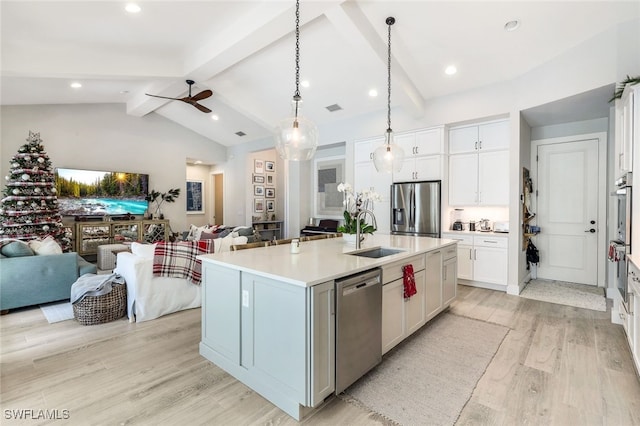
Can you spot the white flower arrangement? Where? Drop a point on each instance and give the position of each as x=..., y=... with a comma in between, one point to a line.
x=354, y=203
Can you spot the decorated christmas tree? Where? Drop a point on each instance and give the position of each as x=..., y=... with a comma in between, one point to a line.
x=29, y=209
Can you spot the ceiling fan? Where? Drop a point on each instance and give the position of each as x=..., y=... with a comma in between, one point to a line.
x=192, y=100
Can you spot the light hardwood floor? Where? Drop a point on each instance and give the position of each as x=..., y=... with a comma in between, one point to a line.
x=558, y=365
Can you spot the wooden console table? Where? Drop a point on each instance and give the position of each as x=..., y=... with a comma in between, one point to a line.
x=269, y=229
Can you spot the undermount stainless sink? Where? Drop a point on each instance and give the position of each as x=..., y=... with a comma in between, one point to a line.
x=376, y=252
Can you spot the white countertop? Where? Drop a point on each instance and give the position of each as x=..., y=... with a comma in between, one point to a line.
x=321, y=260
x=478, y=233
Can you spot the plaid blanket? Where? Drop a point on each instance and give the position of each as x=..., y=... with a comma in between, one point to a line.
x=178, y=260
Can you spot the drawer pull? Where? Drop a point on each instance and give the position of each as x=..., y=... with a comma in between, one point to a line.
x=491, y=242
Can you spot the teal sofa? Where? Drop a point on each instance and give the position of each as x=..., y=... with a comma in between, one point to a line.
x=31, y=280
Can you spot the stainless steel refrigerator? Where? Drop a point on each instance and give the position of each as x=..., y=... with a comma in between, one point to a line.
x=415, y=208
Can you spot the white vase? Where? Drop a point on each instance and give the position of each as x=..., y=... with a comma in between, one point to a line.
x=349, y=238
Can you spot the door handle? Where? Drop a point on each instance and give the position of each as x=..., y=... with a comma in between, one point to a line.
x=591, y=230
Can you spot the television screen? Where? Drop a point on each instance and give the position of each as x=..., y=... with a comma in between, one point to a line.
x=99, y=193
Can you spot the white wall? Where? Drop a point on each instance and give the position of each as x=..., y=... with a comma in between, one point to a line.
x=104, y=137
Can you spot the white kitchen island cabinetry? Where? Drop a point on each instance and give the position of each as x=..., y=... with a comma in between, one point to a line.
x=246, y=325
x=482, y=258
x=402, y=317
x=268, y=316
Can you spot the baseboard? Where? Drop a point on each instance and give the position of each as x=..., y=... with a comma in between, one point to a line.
x=490, y=286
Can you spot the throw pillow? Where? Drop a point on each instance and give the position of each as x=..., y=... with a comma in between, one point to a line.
x=16, y=249
x=208, y=236
x=45, y=247
x=145, y=251
x=243, y=231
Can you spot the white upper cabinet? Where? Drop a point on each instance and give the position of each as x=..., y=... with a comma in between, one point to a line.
x=625, y=129
x=482, y=137
x=367, y=177
x=479, y=165
x=363, y=150
x=423, y=151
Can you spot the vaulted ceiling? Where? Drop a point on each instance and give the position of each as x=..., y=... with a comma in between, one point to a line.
x=244, y=52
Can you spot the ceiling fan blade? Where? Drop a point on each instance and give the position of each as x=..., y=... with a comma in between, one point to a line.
x=163, y=97
x=201, y=107
x=202, y=95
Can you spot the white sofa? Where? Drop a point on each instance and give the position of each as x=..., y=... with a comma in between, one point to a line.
x=150, y=297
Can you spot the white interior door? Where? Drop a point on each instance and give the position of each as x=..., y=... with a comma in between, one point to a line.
x=567, y=208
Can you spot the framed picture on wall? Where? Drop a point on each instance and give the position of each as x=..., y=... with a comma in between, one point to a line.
x=258, y=205
x=271, y=205
x=271, y=180
x=258, y=179
x=270, y=193
x=195, y=197
x=258, y=190
x=270, y=166
x=329, y=173
x=258, y=166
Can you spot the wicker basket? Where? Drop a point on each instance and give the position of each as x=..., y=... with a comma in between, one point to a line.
x=100, y=309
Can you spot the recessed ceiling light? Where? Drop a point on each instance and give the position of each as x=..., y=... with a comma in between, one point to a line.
x=304, y=83
x=511, y=25
x=450, y=70
x=132, y=8
x=373, y=93
x=76, y=85
x=214, y=117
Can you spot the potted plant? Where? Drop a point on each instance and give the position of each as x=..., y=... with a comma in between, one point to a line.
x=160, y=197
x=354, y=203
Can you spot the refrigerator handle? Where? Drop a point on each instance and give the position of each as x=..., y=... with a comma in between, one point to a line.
x=412, y=209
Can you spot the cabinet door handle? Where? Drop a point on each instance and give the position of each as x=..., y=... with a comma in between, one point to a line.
x=371, y=156
x=470, y=255
x=444, y=273
x=416, y=148
x=480, y=144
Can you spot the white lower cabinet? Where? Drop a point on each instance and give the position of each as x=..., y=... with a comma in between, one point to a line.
x=401, y=317
x=631, y=317
x=434, y=283
x=449, y=275
x=482, y=259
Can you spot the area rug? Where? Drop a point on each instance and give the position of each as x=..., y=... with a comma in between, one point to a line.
x=56, y=312
x=428, y=378
x=564, y=293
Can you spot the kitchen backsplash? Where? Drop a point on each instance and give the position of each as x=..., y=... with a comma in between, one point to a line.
x=475, y=214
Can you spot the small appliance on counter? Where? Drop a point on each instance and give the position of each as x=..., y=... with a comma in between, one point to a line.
x=484, y=225
x=472, y=226
x=457, y=220
x=502, y=227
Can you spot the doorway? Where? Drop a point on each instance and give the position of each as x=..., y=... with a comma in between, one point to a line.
x=217, y=181
x=570, y=203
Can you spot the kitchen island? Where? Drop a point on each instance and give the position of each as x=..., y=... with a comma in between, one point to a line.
x=268, y=315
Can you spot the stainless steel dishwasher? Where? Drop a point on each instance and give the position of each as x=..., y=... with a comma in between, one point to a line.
x=358, y=326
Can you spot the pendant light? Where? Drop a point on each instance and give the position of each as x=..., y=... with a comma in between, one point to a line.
x=297, y=137
x=388, y=157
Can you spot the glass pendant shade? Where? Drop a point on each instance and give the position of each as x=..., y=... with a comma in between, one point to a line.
x=296, y=137
x=388, y=157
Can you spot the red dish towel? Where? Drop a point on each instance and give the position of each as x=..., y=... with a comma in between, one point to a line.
x=409, y=281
